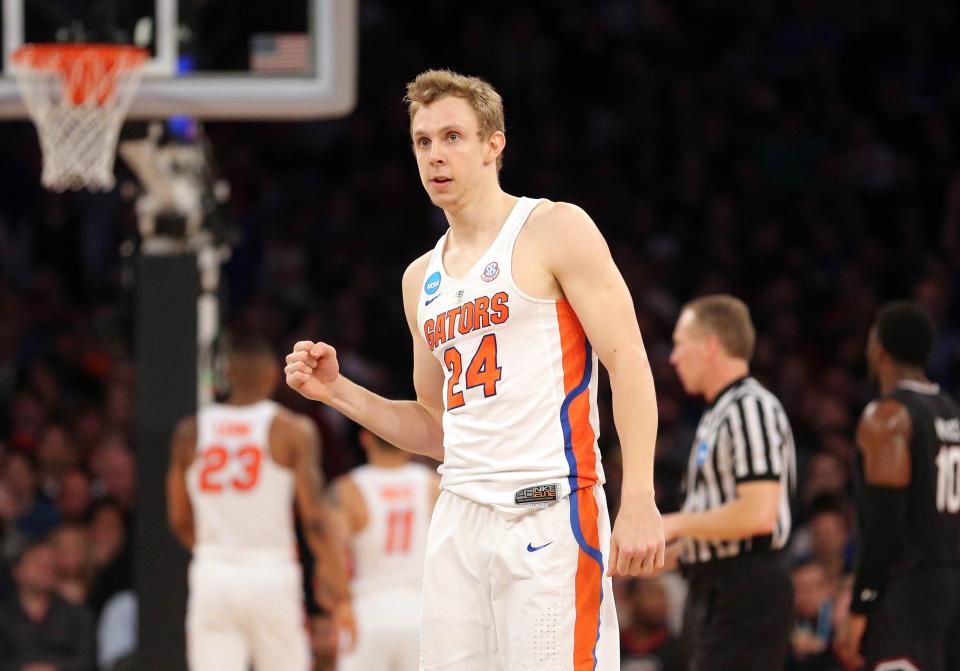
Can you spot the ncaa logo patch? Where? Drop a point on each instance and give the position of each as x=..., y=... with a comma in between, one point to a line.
x=490, y=272
x=432, y=284
x=702, y=450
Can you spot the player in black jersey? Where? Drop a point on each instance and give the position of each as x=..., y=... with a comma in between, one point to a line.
x=905, y=611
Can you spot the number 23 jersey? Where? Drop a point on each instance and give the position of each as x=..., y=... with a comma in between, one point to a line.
x=242, y=500
x=520, y=415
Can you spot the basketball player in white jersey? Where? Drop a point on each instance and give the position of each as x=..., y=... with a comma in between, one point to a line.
x=235, y=471
x=387, y=505
x=509, y=315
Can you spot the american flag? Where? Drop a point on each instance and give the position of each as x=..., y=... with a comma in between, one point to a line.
x=280, y=53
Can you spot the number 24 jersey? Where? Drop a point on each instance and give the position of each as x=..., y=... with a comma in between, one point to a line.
x=520, y=415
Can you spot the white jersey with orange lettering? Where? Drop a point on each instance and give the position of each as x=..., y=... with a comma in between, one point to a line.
x=520, y=415
x=242, y=500
x=388, y=551
x=245, y=583
x=388, y=555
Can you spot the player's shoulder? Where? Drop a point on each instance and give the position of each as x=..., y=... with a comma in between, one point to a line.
x=186, y=428
x=882, y=418
x=550, y=215
x=294, y=423
x=560, y=231
x=345, y=488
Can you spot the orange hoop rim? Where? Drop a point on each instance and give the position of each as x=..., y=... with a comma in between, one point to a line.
x=44, y=55
x=89, y=73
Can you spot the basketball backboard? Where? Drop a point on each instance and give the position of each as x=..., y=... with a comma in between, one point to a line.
x=212, y=59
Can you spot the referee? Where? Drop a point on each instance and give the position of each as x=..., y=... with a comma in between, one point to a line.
x=736, y=516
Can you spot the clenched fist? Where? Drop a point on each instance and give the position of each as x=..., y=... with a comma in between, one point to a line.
x=311, y=368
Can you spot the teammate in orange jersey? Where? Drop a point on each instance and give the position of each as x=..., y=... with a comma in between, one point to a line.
x=387, y=505
x=509, y=315
x=235, y=471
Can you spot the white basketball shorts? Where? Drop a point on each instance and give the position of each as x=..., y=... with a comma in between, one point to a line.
x=519, y=592
x=388, y=633
x=238, y=613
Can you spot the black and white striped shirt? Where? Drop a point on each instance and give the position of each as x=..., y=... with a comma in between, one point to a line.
x=744, y=436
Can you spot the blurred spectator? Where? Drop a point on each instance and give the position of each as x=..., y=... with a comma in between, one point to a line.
x=27, y=417
x=646, y=643
x=56, y=455
x=74, y=561
x=11, y=538
x=112, y=556
x=827, y=475
x=115, y=470
x=830, y=540
x=35, y=515
x=74, y=499
x=39, y=631
x=813, y=627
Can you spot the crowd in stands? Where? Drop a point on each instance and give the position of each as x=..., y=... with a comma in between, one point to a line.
x=803, y=155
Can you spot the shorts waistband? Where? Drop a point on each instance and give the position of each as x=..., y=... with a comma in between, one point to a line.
x=243, y=557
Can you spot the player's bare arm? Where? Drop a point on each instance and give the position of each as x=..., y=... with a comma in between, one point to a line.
x=565, y=242
x=299, y=436
x=183, y=448
x=752, y=513
x=883, y=438
x=414, y=426
x=349, y=501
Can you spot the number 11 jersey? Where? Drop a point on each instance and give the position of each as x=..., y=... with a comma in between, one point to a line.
x=520, y=415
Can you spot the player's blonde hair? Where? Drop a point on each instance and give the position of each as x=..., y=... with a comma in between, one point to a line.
x=728, y=318
x=486, y=103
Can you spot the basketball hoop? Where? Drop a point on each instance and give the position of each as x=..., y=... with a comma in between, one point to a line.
x=78, y=96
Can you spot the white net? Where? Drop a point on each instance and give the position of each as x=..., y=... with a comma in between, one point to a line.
x=78, y=97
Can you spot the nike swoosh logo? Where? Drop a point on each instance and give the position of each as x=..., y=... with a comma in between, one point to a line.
x=430, y=300
x=531, y=548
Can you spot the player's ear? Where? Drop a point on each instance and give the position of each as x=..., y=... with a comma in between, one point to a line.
x=496, y=143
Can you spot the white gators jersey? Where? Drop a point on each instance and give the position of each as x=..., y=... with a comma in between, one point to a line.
x=388, y=553
x=242, y=500
x=520, y=401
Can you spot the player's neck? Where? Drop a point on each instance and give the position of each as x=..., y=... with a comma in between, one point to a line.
x=381, y=460
x=477, y=220
x=892, y=378
x=725, y=372
x=244, y=398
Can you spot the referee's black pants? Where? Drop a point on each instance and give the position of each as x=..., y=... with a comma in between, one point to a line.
x=738, y=614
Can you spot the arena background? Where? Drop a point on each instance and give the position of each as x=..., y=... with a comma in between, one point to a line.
x=800, y=155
